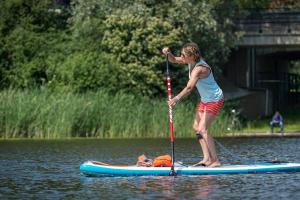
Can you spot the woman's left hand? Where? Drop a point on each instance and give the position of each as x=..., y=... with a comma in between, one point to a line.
x=172, y=102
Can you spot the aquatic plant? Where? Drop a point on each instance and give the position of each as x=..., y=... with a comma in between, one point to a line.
x=61, y=114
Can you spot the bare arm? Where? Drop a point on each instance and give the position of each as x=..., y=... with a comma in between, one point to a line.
x=173, y=59
x=197, y=73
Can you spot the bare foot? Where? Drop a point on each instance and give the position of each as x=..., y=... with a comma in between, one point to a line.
x=201, y=163
x=214, y=164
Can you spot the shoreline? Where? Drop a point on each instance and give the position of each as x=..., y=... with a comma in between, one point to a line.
x=265, y=134
x=228, y=135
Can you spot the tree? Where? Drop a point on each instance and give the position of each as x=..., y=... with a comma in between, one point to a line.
x=43, y=42
x=27, y=29
x=133, y=38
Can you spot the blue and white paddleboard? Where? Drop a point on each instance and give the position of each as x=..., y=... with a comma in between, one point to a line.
x=94, y=168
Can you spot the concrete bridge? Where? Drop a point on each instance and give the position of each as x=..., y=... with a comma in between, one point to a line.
x=270, y=29
x=260, y=65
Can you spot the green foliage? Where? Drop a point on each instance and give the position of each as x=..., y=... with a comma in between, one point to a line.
x=26, y=64
x=27, y=31
x=106, y=43
x=135, y=32
x=61, y=114
x=294, y=67
x=284, y=5
x=110, y=45
x=86, y=22
x=83, y=71
x=254, y=4
x=259, y=5
x=137, y=41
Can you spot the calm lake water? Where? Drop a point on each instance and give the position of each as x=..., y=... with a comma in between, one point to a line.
x=50, y=170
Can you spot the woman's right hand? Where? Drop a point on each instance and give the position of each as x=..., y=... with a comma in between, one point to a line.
x=166, y=51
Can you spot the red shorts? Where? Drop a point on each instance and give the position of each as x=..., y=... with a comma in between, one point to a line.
x=211, y=107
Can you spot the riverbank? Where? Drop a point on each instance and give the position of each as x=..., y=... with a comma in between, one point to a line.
x=228, y=135
x=264, y=134
x=45, y=114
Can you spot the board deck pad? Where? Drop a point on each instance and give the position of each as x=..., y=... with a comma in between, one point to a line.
x=94, y=168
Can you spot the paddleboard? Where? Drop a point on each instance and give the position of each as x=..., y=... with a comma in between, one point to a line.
x=94, y=168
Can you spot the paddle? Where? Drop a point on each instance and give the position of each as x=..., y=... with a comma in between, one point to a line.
x=172, y=172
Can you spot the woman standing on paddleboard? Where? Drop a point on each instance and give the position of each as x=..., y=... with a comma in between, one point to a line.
x=200, y=75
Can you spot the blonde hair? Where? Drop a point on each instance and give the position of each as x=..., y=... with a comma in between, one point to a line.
x=192, y=49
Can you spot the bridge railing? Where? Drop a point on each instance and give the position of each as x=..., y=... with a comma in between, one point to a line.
x=277, y=22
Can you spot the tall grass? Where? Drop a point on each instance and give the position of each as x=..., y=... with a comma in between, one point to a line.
x=45, y=114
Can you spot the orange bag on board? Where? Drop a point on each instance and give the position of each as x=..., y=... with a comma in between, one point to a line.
x=162, y=161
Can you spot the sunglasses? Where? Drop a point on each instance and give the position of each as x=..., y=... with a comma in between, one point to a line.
x=184, y=55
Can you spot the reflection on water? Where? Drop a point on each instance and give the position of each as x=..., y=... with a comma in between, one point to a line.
x=179, y=187
x=50, y=170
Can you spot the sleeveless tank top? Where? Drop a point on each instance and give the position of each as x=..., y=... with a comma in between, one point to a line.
x=207, y=87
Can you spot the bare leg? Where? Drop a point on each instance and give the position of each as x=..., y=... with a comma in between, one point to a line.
x=202, y=143
x=205, y=122
x=213, y=153
x=205, y=151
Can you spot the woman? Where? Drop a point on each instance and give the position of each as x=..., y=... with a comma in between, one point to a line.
x=200, y=75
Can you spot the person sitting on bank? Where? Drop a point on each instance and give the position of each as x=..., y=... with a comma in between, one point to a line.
x=277, y=121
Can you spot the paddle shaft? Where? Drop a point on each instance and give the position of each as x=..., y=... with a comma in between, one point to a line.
x=172, y=172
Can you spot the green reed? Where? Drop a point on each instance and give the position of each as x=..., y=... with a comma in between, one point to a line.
x=46, y=114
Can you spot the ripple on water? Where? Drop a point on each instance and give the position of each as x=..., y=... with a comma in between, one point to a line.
x=50, y=170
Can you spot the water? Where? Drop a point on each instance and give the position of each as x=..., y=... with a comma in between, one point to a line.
x=50, y=170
